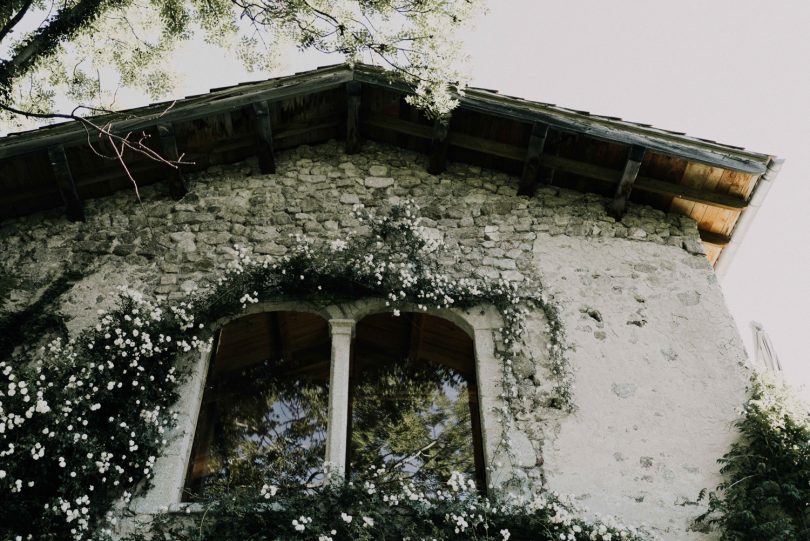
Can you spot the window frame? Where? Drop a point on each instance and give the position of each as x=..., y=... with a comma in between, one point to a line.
x=481, y=323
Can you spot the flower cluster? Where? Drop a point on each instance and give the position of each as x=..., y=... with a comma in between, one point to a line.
x=81, y=425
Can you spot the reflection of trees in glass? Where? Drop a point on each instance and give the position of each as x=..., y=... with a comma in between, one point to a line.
x=413, y=419
x=268, y=425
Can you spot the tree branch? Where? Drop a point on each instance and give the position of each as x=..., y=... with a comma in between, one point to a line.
x=44, y=42
x=13, y=21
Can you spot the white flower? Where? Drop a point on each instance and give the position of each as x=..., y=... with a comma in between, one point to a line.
x=338, y=245
x=42, y=407
x=300, y=524
x=368, y=522
x=505, y=534
x=268, y=491
x=346, y=518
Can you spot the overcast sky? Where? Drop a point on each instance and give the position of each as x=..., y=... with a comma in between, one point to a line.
x=735, y=71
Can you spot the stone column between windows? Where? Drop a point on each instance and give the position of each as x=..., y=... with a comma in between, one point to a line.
x=341, y=331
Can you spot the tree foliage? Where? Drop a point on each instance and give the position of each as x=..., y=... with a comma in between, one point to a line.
x=766, y=491
x=85, y=50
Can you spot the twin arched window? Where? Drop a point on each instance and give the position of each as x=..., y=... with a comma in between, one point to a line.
x=412, y=405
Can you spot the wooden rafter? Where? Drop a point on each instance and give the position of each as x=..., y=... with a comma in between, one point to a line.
x=264, y=137
x=416, y=333
x=531, y=165
x=625, y=186
x=438, y=146
x=353, y=93
x=168, y=144
x=74, y=207
x=714, y=238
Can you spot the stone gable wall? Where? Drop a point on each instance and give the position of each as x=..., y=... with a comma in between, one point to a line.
x=659, y=366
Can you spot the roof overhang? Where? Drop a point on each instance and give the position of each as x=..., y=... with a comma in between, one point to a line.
x=60, y=165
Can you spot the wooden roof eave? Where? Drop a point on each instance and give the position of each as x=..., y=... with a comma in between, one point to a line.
x=164, y=113
x=617, y=131
x=603, y=128
x=482, y=101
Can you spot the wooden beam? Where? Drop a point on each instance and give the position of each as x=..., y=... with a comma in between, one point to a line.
x=264, y=137
x=513, y=152
x=531, y=166
x=354, y=90
x=625, y=186
x=74, y=207
x=168, y=144
x=415, y=340
x=614, y=130
x=439, y=143
x=726, y=201
x=714, y=238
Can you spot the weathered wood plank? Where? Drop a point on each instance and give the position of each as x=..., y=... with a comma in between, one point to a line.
x=168, y=145
x=74, y=206
x=625, y=186
x=264, y=137
x=437, y=162
x=531, y=166
x=354, y=90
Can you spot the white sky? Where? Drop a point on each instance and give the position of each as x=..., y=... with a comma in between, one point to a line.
x=735, y=71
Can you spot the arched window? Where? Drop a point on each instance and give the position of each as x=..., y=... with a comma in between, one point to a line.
x=264, y=407
x=413, y=400
x=409, y=401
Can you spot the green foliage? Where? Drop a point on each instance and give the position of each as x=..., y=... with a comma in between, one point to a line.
x=766, y=492
x=273, y=427
x=416, y=423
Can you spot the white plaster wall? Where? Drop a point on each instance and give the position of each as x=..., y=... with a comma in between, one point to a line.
x=659, y=380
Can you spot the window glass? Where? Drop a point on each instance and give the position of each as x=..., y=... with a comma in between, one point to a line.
x=414, y=408
x=264, y=410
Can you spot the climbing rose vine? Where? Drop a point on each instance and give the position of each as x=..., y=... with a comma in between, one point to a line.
x=371, y=511
x=83, y=422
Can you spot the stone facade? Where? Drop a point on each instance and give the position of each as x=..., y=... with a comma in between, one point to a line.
x=659, y=367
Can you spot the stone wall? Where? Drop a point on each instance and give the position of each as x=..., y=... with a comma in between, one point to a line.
x=659, y=366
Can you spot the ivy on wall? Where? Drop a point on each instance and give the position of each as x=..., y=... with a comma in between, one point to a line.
x=765, y=495
x=82, y=424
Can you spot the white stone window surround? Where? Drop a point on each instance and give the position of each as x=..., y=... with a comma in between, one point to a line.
x=480, y=323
